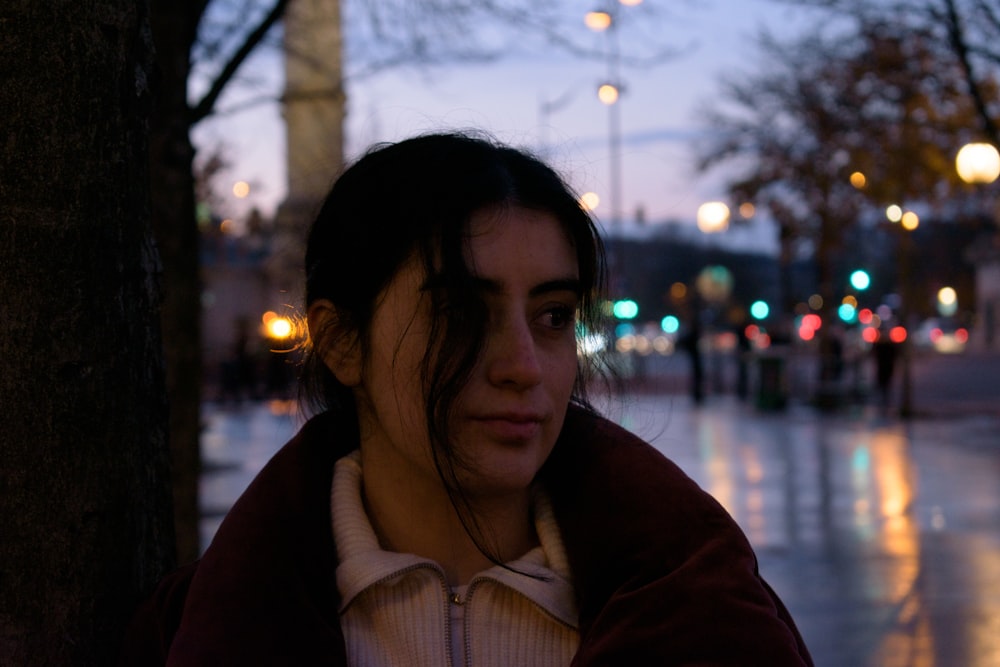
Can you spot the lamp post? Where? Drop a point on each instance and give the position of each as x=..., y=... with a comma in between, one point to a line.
x=979, y=164
x=907, y=221
x=713, y=217
x=606, y=21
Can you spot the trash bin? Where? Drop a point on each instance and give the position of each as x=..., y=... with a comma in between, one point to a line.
x=772, y=382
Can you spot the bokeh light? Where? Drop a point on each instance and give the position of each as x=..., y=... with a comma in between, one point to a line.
x=860, y=280
x=597, y=20
x=670, y=324
x=607, y=93
x=626, y=309
x=590, y=200
x=978, y=163
x=713, y=216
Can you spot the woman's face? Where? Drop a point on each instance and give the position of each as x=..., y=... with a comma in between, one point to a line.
x=507, y=418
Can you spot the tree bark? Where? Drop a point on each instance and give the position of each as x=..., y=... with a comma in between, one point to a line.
x=175, y=26
x=175, y=29
x=84, y=504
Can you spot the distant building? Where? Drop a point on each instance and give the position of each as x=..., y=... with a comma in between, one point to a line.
x=248, y=275
x=313, y=108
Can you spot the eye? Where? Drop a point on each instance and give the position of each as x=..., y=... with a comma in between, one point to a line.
x=559, y=317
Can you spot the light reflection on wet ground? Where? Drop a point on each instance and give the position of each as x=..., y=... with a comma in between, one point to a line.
x=882, y=537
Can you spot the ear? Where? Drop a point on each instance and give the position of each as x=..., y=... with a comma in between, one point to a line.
x=335, y=343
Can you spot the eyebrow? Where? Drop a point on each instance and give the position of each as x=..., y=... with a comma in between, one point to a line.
x=490, y=286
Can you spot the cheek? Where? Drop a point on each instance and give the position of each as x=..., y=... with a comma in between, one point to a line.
x=392, y=381
x=561, y=372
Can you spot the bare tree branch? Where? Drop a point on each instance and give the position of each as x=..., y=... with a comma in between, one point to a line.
x=957, y=39
x=207, y=103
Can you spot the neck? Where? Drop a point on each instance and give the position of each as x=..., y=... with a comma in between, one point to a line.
x=416, y=516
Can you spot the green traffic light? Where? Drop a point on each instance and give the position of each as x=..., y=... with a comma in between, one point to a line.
x=760, y=310
x=860, y=280
x=626, y=309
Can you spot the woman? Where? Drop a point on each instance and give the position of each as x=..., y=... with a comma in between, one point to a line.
x=456, y=500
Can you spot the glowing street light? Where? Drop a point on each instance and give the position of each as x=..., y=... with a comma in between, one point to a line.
x=978, y=163
x=713, y=216
x=590, y=200
x=597, y=21
x=607, y=93
x=276, y=326
x=947, y=301
x=909, y=221
x=606, y=20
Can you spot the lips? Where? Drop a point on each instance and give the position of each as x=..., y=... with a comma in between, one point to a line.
x=511, y=426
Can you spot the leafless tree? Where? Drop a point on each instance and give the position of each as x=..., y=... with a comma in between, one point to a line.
x=851, y=97
x=969, y=29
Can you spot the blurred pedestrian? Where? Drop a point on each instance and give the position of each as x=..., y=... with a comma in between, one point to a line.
x=744, y=356
x=457, y=500
x=690, y=342
x=885, y=351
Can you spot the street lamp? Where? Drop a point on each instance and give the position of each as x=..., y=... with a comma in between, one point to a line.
x=978, y=163
x=609, y=92
x=712, y=217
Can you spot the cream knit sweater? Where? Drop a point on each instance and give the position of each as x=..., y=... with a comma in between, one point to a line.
x=397, y=609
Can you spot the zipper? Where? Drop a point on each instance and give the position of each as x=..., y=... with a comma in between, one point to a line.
x=446, y=596
x=466, y=619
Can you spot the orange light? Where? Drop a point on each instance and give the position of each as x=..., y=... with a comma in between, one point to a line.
x=280, y=327
x=597, y=21
x=897, y=334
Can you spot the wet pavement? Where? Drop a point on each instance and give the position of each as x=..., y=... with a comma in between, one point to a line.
x=882, y=536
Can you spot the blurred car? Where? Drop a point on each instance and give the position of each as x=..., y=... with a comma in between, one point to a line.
x=941, y=336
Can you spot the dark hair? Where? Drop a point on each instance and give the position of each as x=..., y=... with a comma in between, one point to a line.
x=416, y=198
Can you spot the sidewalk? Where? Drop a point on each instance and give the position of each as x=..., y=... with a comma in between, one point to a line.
x=882, y=537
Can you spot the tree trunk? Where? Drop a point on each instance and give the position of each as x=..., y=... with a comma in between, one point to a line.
x=174, y=224
x=84, y=504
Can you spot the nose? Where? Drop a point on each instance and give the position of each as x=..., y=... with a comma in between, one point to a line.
x=512, y=356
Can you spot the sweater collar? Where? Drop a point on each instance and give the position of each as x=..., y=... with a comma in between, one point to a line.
x=363, y=563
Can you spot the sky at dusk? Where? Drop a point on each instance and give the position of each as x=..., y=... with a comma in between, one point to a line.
x=658, y=113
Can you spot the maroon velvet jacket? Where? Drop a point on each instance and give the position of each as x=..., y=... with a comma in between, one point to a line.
x=663, y=575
